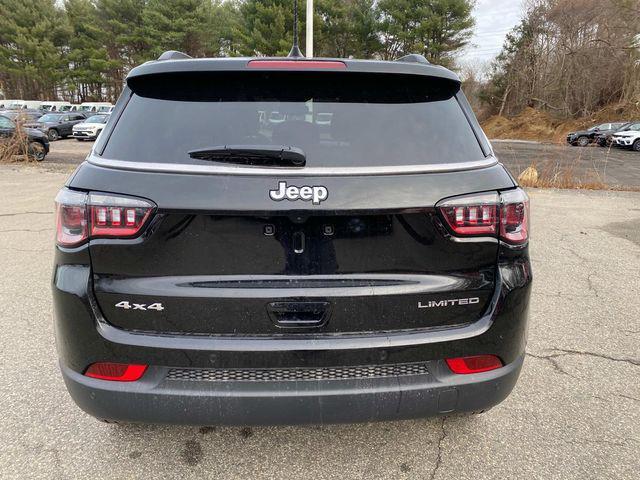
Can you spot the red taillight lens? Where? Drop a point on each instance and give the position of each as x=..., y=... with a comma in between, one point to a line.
x=117, y=216
x=474, y=364
x=81, y=216
x=472, y=215
x=117, y=372
x=296, y=65
x=514, y=217
x=505, y=215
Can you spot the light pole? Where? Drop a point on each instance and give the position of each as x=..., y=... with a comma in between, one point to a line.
x=309, y=22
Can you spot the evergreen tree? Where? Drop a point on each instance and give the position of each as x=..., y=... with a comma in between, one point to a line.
x=124, y=39
x=32, y=38
x=191, y=26
x=266, y=27
x=83, y=49
x=346, y=28
x=434, y=28
x=87, y=57
x=123, y=26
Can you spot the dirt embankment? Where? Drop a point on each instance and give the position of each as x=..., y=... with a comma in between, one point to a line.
x=532, y=124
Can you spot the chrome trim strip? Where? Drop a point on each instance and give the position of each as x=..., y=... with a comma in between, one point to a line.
x=288, y=172
x=273, y=343
x=294, y=286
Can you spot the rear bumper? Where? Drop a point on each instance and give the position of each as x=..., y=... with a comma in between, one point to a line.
x=156, y=399
x=83, y=337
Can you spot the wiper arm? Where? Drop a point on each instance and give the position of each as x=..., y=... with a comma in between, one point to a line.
x=254, y=155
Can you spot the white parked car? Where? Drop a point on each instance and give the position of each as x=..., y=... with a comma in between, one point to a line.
x=56, y=106
x=98, y=107
x=4, y=104
x=25, y=104
x=628, y=139
x=70, y=108
x=90, y=128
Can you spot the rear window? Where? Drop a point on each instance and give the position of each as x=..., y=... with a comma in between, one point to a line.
x=336, y=118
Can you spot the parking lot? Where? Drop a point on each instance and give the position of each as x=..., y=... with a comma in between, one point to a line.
x=575, y=413
x=616, y=167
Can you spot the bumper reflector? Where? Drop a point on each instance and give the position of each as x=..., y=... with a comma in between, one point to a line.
x=474, y=364
x=117, y=372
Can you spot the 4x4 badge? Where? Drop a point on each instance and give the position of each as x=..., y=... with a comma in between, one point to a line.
x=315, y=194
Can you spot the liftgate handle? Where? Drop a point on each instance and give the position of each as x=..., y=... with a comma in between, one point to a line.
x=299, y=314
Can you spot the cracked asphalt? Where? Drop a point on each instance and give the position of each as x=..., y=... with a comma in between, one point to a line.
x=574, y=414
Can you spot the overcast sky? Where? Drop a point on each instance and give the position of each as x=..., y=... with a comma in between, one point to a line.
x=494, y=18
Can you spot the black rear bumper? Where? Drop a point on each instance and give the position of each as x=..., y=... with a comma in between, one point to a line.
x=156, y=399
x=83, y=337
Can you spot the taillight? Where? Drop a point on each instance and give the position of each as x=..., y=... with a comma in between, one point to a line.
x=472, y=215
x=474, y=364
x=489, y=214
x=114, y=216
x=514, y=216
x=82, y=216
x=117, y=372
x=71, y=218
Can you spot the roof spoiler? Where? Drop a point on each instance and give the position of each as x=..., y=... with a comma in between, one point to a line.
x=173, y=55
x=413, y=58
x=179, y=64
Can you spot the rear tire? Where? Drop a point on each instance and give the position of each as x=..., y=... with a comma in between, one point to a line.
x=636, y=146
x=53, y=135
x=36, y=151
x=582, y=141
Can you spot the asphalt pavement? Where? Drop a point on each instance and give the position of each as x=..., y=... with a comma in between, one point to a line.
x=616, y=167
x=574, y=414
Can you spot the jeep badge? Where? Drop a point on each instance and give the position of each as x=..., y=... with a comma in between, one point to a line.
x=315, y=194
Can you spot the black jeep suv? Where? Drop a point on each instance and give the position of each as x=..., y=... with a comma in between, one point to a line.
x=57, y=125
x=363, y=258
x=582, y=138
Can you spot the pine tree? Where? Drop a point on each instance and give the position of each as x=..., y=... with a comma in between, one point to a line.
x=196, y=27
x=346, y=28
x=266, y=27
x=87, y=57
x=434, y=28
x=32, y=38
x=124, y=39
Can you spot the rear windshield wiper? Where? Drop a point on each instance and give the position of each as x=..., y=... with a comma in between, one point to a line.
x=254, y=155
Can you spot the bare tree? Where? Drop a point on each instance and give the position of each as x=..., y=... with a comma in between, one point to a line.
x=569, y=56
